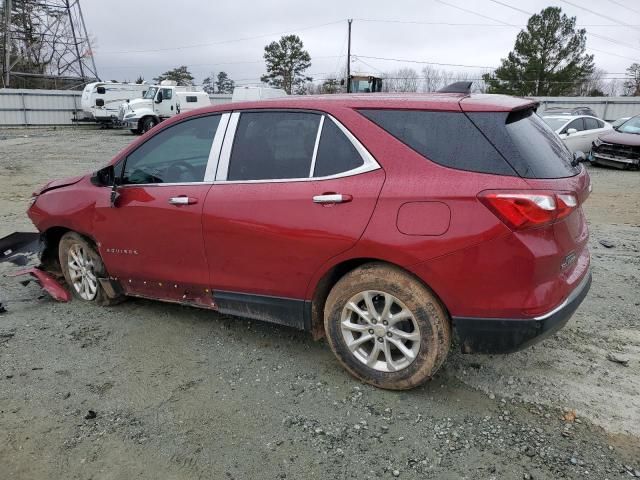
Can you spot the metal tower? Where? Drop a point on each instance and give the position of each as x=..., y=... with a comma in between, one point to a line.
x=45, y=44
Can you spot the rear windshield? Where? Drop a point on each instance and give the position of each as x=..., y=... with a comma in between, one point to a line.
x=500, y=143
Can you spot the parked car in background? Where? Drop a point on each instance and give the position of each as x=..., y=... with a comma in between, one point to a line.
x=101, y=100
x=619, y=121
x=577, y=131
x=619, y=148
x=387, y=224
x=570, y=111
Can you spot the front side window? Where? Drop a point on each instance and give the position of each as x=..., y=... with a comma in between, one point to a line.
x=178, y=154
x=167, y=93
x=273, y=145
x=578, y=124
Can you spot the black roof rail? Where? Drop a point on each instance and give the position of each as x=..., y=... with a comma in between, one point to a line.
x=457, y=87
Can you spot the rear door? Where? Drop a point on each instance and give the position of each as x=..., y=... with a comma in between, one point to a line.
x=292, y=190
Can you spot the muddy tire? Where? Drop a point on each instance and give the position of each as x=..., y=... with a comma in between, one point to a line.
x=147, y=124
x=386, y=327
x=82, y=267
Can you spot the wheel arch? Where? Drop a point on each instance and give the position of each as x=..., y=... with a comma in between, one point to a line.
x=51, y=239
x=334, y=274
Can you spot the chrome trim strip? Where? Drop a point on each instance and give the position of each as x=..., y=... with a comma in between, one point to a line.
x=315, y=148
x=216, y=147
x=370, y=164
x=574, y=293
x=225, y=152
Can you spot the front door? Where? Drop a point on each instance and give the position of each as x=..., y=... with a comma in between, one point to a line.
x=151, y=238
x=294, y=192
x=165, y=108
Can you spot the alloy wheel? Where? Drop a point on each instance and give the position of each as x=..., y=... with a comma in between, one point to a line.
x=380, y=331
x=82, y=272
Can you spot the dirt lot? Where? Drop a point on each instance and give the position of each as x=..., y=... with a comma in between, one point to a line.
x=184, y=393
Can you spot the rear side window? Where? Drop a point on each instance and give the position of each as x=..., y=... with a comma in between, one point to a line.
x=527, y=142
x=273, y=145
x=192, y=99
x=336, y=153
x=591, y=124
x=446, y=138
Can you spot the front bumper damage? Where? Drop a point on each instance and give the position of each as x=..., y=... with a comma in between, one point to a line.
x=24, y=249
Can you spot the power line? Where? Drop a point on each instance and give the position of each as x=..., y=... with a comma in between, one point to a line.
x=454, y=24
x=425, y=62
x=221, y=42
x=472, y=12
x=599, y=14
x=608, y=39
x=624, y=6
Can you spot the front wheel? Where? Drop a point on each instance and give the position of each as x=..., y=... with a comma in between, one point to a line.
x=147, y=124
x=82, y=268
x=135, y=131
x=386, y=328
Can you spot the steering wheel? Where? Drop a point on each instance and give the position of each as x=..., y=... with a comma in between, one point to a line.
x=178, y=168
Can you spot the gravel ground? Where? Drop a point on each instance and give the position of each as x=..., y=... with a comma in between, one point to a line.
x=151, y=390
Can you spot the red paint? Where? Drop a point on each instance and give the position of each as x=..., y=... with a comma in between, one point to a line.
x=271, y=239
x=47, y=282
x=424, y=218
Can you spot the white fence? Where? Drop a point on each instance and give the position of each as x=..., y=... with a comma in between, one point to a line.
x=60, y=107
x=50, y=107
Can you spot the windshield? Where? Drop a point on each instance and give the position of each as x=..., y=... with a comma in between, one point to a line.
x=554, y=122
x=151, y=93
x=631, y=126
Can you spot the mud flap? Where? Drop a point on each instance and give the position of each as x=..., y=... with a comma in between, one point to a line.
x=48, y=283
x=20, y=247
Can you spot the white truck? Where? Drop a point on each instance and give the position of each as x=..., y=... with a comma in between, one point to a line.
x=101, y=101
x=248, y=94
x=159, y=103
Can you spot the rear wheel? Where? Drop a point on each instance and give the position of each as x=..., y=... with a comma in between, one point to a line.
x=386, y=328
x=147, y=124
x=82, y=267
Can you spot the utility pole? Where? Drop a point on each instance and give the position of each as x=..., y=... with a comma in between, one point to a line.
x=7, y=42
x=349, y=58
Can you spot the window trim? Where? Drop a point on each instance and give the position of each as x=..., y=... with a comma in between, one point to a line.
x=214, y=153
x=369, y=162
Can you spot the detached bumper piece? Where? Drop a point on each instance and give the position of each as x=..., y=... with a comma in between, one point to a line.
x=498, y=335
x=48, y=283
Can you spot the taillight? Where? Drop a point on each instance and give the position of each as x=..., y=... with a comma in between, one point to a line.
x=529, y=208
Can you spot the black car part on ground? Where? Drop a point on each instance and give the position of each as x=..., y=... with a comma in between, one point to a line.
x=17, y=247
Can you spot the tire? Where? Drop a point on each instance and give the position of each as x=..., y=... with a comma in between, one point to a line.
x=135, y=131
x=83, y=282
x=425, y=331
x=147, y=124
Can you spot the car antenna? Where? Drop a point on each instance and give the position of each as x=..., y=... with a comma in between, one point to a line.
x=457, y=87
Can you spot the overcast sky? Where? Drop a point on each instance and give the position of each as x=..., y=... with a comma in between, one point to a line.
x=145, y=37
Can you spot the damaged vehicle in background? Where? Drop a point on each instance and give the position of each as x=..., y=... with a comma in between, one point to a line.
x=619, y=148
x=577, y=132
x=355, y=218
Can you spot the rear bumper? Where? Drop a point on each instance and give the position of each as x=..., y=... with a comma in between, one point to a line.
x=499, y=335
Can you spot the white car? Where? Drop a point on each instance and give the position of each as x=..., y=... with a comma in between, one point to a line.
x=578, y=131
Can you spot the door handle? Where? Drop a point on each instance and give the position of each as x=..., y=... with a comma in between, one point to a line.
x=331, y=198
x=182, y=200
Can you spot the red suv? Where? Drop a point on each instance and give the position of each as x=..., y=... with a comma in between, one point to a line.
x=386, y=223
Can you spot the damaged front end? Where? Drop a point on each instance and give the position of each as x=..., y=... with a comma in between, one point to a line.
x=26, y=249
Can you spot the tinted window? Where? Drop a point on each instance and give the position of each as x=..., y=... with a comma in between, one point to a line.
x=527, y=142
x=192, y=99
x=578, y=124
x=176, y=155
x=591, y=124
x=336, y=153
x=167, y=93
x=447, y=138
x=273, y=145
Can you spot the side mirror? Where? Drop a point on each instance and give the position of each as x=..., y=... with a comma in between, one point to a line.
x=159, y=97
x=571, y=131
x=578, y=157
x=104, y=177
